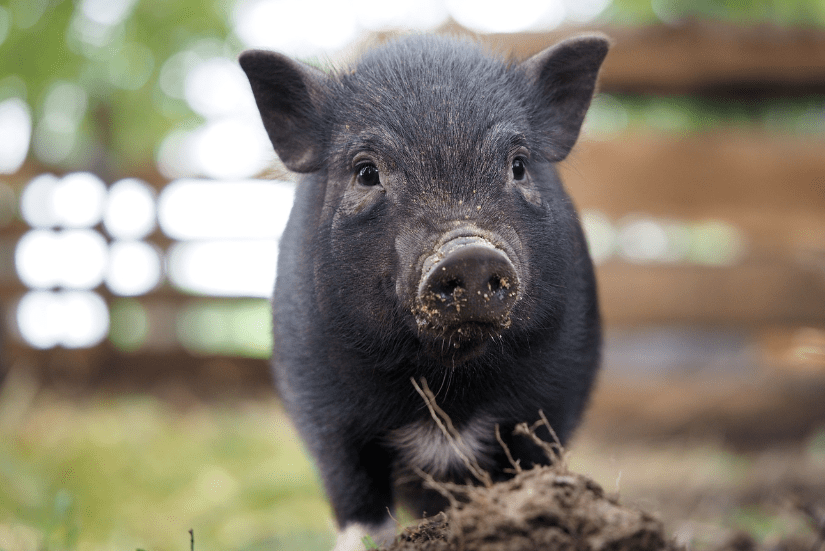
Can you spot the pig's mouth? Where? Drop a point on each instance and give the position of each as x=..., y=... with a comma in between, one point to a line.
x=462, y=342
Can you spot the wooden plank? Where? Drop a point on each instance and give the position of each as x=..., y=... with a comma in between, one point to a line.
x=752, y=294
x=772, y=186
x=696, y=57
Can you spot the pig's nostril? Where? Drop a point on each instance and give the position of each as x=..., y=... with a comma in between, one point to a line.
x=499, y=286
x=446, y=288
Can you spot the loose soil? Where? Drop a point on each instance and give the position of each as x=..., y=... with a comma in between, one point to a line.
x=554, y=508
x=550, y=508
x=542, y=508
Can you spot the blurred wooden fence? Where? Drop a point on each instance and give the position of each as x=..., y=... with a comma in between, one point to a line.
x=771, y=186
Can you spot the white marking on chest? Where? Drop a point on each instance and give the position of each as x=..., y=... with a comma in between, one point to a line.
x=423, y=444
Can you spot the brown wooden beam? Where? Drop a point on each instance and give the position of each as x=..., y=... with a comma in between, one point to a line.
x=695, y=57
x=752, y=294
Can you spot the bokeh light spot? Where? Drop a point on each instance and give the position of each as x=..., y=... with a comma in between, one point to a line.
x=73, y=319
x=134, y=268
x=218, y=87
x=642, y=239
x=36, y=203
x=132, y=66
x=74, y=259
x=272, y=24
x=130, y=209
x=585, y=11
x=601, y=236
x=224, y=268
x=106, y=12
x=379, y=15
x=506, y=17
x=203, y=209
x=55, y=135
x=173, y=72
x=15, y=134
x=231, y=148
x=79, y=200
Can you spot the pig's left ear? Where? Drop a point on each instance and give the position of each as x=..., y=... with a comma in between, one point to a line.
x=564, y=78
x=289, y=95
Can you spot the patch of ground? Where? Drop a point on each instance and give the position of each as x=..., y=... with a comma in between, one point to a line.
x=541, y=508
x=554, y=508
x=550, y=508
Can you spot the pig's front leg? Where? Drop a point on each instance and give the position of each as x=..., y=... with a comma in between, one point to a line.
x=357, y=480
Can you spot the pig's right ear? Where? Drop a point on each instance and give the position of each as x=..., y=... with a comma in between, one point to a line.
x=289, y=96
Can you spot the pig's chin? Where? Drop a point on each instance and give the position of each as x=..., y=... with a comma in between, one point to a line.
x=459, y=343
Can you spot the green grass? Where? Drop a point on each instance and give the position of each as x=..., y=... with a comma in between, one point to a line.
x=132, y=473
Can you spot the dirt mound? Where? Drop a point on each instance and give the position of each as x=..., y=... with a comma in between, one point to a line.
x=550, y=508
x=541, y=508
x=547, y=507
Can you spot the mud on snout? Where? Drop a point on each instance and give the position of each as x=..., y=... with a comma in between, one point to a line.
x=467, y=290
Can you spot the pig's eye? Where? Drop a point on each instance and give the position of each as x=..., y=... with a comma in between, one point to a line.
x=518, y=168
x=368, y=175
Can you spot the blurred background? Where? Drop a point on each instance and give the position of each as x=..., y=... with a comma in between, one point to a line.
x=141, y=204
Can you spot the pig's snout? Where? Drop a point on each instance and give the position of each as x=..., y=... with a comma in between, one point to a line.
x=467, y=280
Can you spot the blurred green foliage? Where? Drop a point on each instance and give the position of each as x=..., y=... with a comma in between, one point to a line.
x=610, y=113
x=131, y=472
x=129, y=324
x=126, y=113
x=230, y=327
x=233, y=328
x=741, y=12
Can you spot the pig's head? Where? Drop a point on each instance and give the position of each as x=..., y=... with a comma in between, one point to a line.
x=440, y=219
